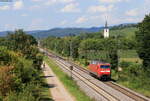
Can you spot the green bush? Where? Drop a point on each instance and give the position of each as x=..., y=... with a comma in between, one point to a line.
x=135, y=69
x=1, y=98
x=20, y=63
x=124, y=64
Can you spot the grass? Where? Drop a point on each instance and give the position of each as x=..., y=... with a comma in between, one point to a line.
x=126, y=32
x=104, y=54
x=81, y=63
x=45, y=94
x=70, y=85
x=135, y=60
x=94, y=55
x=136, y=83
x=127, y=54
x=135, y=86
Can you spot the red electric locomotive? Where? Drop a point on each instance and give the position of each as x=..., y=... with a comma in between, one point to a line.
x=101, y=69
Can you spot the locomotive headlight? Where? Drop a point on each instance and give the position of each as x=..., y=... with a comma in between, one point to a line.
x=104, y=71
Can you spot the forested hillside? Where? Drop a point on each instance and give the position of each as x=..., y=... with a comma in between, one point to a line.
x=125, y=32
x=20, y=62
x=59, y=32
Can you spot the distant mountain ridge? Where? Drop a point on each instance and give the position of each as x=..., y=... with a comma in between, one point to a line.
x=61, y=32
x=58, y=32
x=4, y=33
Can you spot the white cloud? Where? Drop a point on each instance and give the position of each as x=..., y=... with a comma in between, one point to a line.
x=35, y=24
x=97, y=17
x=10, y=27
x=100, y=8
x=58, y=1
x=36, y=21
x=6, y=7
x=133, y=20
x=146, y=8
x=18, y=5
x=37, y=0
x=132, y=12
x=112, y=1
x=63, y=22
x=72, y=7
x=147, y=1
x=67, y=1
x=81, y=20
x=34, y=7
x=24, y=15
x=116, y=20
x=50, y=2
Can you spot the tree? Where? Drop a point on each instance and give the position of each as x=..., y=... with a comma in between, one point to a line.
x=111, y=46
x=20, y=62
x=20, y=41
x=143, y=40
x=6, y=80
x=75, y=46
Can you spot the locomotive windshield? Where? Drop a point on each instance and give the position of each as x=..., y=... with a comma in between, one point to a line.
x=105, y=66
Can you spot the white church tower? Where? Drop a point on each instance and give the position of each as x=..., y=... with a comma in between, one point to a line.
x=106, y=31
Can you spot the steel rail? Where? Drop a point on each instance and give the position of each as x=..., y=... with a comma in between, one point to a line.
x=123, y=90
x=96, y=88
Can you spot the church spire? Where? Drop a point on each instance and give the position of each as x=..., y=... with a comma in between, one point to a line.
x=106, y=25
x=106, y=30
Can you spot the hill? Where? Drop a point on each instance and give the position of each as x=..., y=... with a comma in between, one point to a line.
x=128, y=32
x=4, y=33
x=122, y=29
x=61, y=32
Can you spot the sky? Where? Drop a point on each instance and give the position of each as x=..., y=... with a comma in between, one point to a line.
x=47, y=14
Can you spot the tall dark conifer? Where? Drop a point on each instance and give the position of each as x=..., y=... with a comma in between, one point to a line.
x=143, y=39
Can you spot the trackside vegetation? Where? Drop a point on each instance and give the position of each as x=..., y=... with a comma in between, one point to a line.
x=128, y=48
x=20, y=73
x=71, y=85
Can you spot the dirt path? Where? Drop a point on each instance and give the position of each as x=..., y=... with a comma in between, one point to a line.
x=57, y=90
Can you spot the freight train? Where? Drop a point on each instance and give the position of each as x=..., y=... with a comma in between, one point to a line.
x=100, y=69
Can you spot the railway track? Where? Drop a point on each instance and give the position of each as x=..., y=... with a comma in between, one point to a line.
x=128, y=92
x=110, y=97
x=96, y=88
